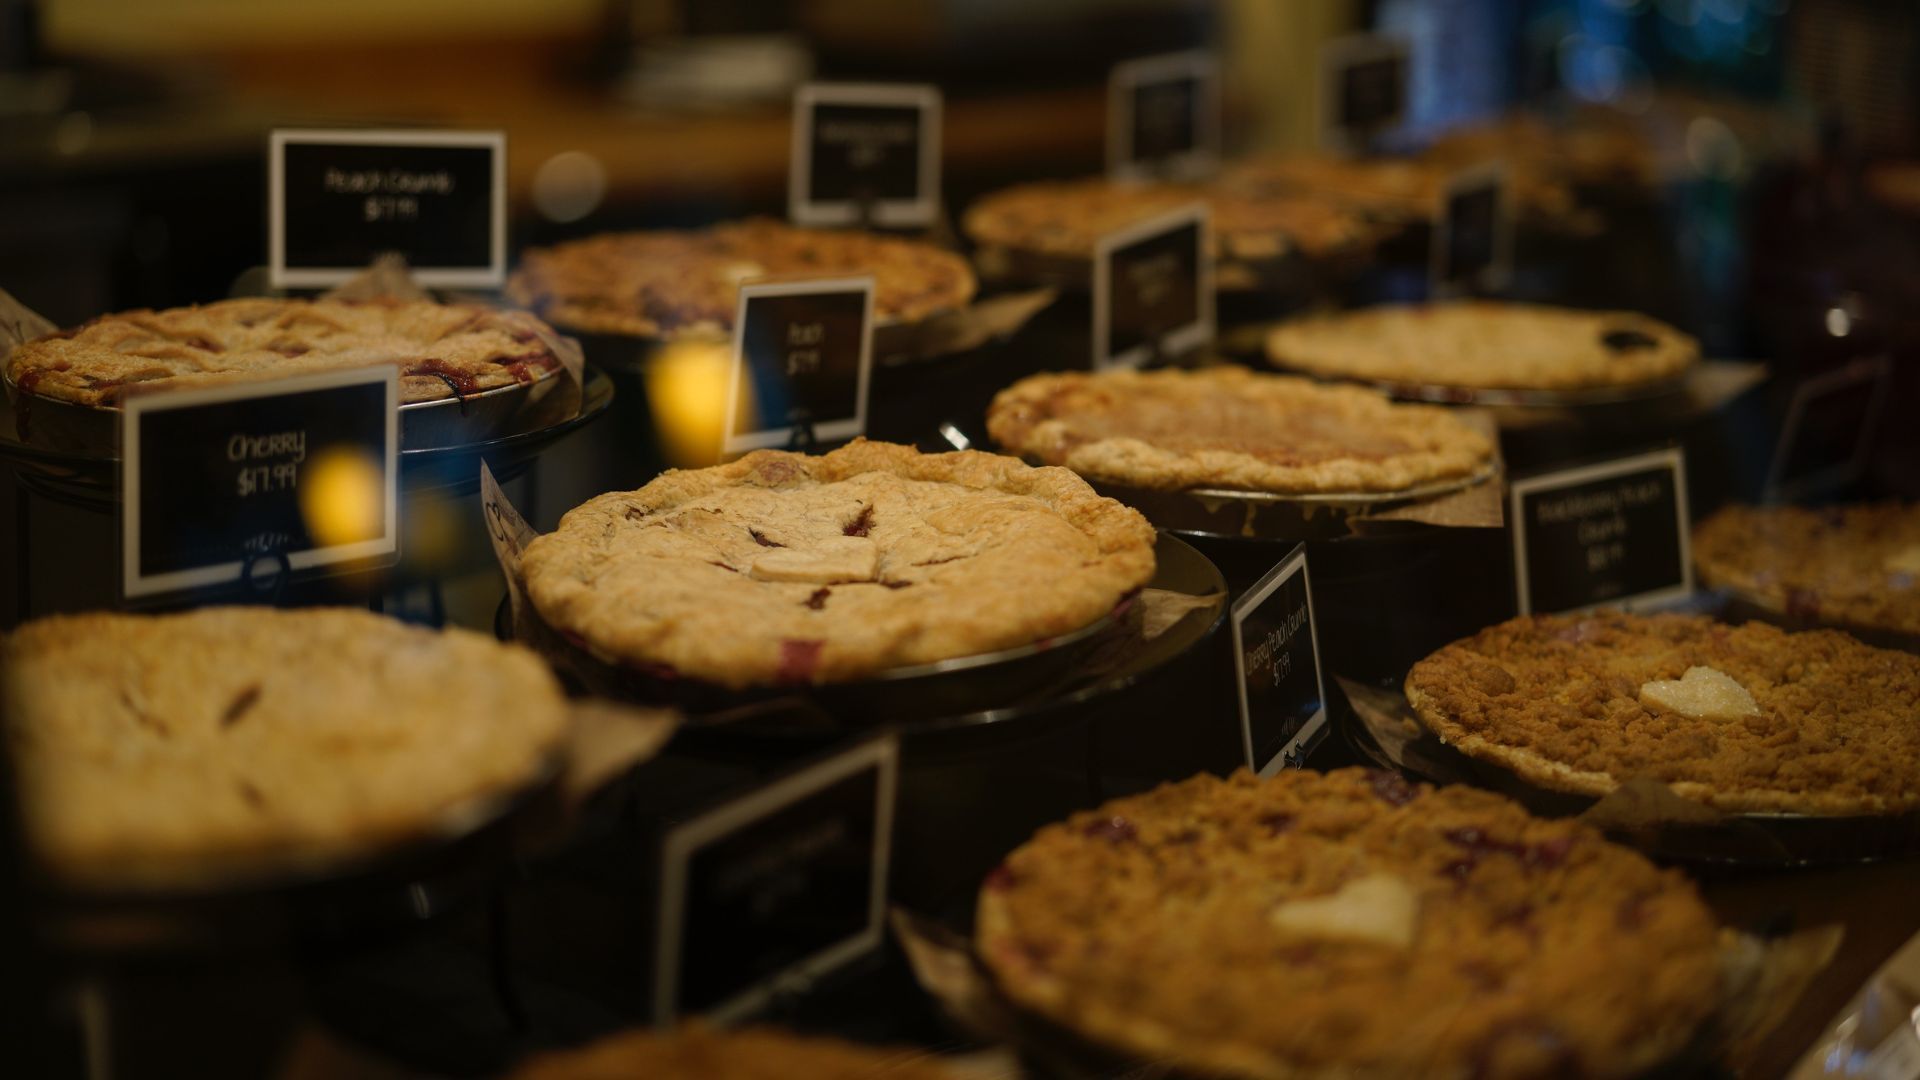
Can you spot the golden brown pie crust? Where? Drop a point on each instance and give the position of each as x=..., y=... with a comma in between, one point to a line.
x=1556, y=699
x=676, y=283
x=1226, y=427
x=237, y=743
x=696, y=1052
x=1844, y=565
x=442, y=350
x=783, y=568
x=1160, y=925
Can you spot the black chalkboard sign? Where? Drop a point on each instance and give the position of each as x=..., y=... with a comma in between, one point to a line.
x=1163, y=115
x=1153, y=289
x=1363, y=88
x=787, y=882
x=1276, y=663
x=865, y=155
x=1612, y=534
x=802, y=359
x=336, y=200
x=1473, y=240
x=1827, y=438
x=304, y=469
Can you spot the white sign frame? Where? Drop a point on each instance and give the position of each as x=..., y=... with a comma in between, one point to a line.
x=1180, y=339
x=1200, y=65
x=1344, y=52
x=922, y=211
x=282, y=276
x=829, y=430
x=1310, y=732
x=1499, y=273
x=682, y=841
x=1673, y=457
x=1877, y=370
x=134, y=584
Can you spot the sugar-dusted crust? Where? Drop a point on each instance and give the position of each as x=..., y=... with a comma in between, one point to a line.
x=1538, y=949
x=185, y=750
x=1227, y=427
x=442, y=350
x=1066, y=218
x=966, y=553
x=697, y=1052
x=1556, y=700
x=678, y=283
x=1485, y=344
x=1844, y=565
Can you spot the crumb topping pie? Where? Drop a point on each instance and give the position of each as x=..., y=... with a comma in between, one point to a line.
x=783, y=568
x=673, y=283
x=176, y=751
x=1226, y=427
x=1847, y=565
x=1350, y=924
x=1744, y=719
x=442, y=350
x=1482, y=344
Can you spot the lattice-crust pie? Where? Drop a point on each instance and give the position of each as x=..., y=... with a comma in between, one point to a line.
x=1066, y=218
x=686, y=282
x=1741, y=718
x=696, y=1052
x=1350, y=925
x=782, y=568
x=442, y=350
x=1227, y=427
x=180, y=750
x=1485, y=345
x=1851, y=565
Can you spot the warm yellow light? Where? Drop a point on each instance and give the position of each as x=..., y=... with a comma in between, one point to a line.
x=687, y=389
x=342, y=497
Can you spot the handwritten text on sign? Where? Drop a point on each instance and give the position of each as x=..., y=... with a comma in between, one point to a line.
x=1611, y=533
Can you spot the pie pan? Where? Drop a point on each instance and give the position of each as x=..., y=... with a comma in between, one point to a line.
x=1381, y=727
x=1260, y=515
x=94, y=430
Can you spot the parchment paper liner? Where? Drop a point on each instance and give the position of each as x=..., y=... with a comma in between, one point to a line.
x=1642, y=812
x=1761, y=979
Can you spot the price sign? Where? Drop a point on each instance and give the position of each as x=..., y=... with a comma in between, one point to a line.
x=802, y=355
x=781, y=885
x=865, y=154
x=1276, y=662
x=1153, y=289
x=1828, y=436
x=1363, y=89
x=1611, y=534
x=1473, y=239
x=1163, y=115
x=338, y=199
x=305, y=468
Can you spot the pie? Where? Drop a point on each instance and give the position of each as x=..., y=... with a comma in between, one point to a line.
x=1846, y=565
x=1745, y=719
x=1349, y=924
x=1590, y=151
x=781, y=568
x=442, y=350
x=696, y=1052
x=239, y=743
x=1067, y=218
x=675, y=283
x=1482, y=344
x=1226, y=427
x=1398, y=189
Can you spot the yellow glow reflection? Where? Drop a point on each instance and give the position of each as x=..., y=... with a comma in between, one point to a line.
x=342, y=497
x=687, y=389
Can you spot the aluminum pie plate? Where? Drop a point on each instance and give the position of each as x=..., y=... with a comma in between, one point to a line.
x=94, y=430
x=1260, y=515
x=1751, y=839
x=452, y=856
